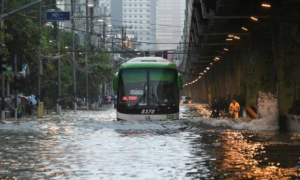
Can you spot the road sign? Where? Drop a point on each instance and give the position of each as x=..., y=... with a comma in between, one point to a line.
x=57, y=16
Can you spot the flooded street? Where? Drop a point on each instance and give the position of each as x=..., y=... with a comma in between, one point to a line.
x=93, y=145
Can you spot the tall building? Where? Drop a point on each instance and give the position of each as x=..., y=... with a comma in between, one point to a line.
x=138, y=18
x=92, y=16
x=169, y=23
x=117, y=13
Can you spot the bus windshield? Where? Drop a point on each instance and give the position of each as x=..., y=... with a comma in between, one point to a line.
x=148, y=88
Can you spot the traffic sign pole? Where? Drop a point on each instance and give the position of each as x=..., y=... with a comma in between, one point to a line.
x=58, y=16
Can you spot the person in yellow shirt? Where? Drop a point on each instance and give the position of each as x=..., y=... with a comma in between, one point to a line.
x=234, y=109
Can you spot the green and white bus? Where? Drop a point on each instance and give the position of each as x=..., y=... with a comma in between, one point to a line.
x=147, y=89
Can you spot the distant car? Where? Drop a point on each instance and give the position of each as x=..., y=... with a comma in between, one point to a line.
x=186, y=100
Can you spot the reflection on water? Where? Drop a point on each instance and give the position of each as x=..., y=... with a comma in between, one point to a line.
x=240, y=158
x=92, y=145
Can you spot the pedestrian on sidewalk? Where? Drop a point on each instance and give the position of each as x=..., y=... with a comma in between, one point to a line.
x=13, y=109
x=234, y=109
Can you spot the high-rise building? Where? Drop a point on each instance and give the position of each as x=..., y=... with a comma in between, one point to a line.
x=91, y=17
x=169, y=23
x=139, y=16
x=117, y=13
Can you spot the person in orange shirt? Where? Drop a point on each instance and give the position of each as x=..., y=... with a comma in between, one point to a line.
x=234, y=109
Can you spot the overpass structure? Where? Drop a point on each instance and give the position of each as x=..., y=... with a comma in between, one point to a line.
x=238, y=48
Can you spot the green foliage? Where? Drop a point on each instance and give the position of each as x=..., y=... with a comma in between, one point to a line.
x=23, y=38
x=99, y=67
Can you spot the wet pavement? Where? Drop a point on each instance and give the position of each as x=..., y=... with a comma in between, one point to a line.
x=93, y=145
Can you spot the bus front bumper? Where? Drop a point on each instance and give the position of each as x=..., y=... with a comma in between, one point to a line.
x=136, y=117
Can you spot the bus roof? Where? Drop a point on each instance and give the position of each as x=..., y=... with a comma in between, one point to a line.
x=148, y=62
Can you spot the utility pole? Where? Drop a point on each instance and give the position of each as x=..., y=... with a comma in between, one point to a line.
x=2, y=74
x=86, y=57
x=16, y=95
x=58, y=101
x=40, y=58
x=112, y=47
x=103, y=43
x=103, y=46
x=73, y=53
x=122, y=38
x=104, y=27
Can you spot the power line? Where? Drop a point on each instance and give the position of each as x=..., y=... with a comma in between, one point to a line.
x=151, y=24
x=119, y=38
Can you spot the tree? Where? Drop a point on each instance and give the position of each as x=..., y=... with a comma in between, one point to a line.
x=22, y=39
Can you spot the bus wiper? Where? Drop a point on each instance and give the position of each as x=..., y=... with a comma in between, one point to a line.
x=154, y=99
x=138, y=102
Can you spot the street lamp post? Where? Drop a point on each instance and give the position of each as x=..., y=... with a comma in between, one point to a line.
x=58, y=101
x=88, y=6
x=73, y=55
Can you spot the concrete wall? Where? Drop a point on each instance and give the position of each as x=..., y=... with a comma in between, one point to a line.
x=267, y=60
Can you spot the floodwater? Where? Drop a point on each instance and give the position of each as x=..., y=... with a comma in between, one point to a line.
x=93, y=145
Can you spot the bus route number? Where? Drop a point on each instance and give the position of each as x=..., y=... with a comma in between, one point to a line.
x=148, y=111
x=171, y=116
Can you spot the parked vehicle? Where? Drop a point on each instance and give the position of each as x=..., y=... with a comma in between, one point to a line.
x=186, y=100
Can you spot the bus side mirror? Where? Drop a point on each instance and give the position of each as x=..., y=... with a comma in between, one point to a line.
x=116, y=82
x=179, y=82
